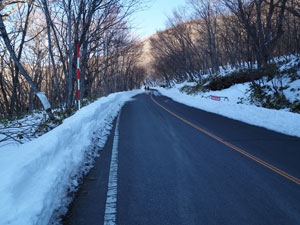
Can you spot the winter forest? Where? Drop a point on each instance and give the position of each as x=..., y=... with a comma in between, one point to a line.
x=39, y=38
x=38, y=52
x=226, y=32
x=174, y=124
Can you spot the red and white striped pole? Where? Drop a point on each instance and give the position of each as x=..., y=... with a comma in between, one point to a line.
x=78, y=77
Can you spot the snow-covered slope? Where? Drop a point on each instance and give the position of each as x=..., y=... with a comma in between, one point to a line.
x=35, y=177
x=277, y=120
x=237, y=102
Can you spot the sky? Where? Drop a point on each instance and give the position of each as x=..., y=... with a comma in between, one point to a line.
x=153, y=17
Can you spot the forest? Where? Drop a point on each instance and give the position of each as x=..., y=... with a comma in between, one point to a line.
x=38, y=53
x=208, y=35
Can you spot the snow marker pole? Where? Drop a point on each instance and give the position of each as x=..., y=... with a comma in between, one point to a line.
x=78, y=77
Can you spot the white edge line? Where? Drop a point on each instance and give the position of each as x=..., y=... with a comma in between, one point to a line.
x=111, y=199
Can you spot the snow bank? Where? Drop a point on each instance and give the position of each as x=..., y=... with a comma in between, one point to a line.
x=35, y=177
x=280, y=121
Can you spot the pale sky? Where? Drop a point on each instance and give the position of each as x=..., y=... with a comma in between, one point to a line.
x=154, y=17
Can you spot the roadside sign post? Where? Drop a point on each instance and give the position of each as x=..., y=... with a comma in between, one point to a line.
x=78, y=77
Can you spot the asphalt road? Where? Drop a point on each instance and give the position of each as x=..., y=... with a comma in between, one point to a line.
x=171, y=173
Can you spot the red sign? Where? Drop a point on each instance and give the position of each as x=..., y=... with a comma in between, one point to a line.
x=216, y=98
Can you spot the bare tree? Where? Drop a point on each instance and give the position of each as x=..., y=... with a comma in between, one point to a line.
x=42, y=97
x=205, y=15
x=262, y=22
x=44, y=49
x=293, y=6
x=48, y=25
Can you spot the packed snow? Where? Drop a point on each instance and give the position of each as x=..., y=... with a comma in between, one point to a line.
x=22, y=130
x=235, y=102
x=276, y=120
x=37, y=176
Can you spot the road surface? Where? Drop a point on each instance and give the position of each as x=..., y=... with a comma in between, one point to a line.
x=187, y=166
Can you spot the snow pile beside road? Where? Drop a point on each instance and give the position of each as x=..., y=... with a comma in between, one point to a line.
x=277, y=120
x=35, y=177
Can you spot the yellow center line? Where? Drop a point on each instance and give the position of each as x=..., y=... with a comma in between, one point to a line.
x=275, y=169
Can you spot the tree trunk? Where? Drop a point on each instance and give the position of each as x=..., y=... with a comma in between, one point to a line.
x=48, y=20
x=42, y=97
x=70, y=78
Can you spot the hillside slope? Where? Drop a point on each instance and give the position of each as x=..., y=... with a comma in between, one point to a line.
x=276, y=107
